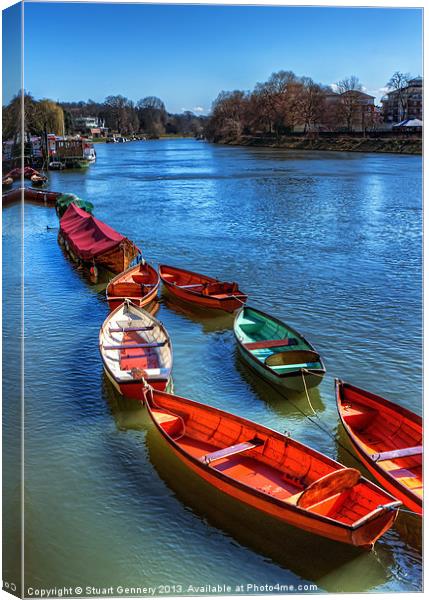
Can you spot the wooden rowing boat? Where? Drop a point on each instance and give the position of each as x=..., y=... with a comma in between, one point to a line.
x=139, y=284
x=204, y=291
x=276, y=351
x=388, y=440
x=135, y=348
x=272, y=472
x=44, y=197
x=38, y=180
x=7, y=182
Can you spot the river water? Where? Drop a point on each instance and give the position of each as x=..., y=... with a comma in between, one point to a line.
x=328, y=242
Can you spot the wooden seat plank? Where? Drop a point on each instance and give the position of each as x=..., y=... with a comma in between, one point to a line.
x=235, y=449
x=130, y=346
x=119, y=329
x=398, y=453
x=271, y=343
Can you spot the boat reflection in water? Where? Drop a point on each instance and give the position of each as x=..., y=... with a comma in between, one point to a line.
x=309, y=557
x=286, y=403
x=210, y=320
x=127, y=412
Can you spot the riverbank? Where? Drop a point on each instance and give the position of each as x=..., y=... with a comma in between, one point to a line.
x=339, y=144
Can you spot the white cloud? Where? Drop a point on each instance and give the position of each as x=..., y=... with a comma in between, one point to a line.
x=378, y=93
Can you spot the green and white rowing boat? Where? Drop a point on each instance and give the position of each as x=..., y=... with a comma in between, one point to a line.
x=276, y=351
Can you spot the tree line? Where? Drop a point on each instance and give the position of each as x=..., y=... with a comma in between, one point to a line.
x=286, y=103
x=39, y=116
x=148, y=116
x=278, y=106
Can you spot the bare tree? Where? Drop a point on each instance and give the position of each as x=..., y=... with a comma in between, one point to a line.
x=350, y=89
x=348, y=84
x=115, y=107
x=398, y=83
x=229, y=116
x=310, y=103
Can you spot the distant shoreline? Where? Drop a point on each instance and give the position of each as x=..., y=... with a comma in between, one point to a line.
x=340, y=144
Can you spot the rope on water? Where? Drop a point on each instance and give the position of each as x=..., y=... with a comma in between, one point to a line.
x=306, y=392
x=315, y=422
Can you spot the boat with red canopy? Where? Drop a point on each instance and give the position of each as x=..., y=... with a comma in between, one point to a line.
x=202, y=290
x=388, y=440
x=272, y=472
x=91, y=241
x=139, y=284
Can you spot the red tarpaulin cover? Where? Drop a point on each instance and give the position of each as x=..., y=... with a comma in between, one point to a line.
x=87, y=236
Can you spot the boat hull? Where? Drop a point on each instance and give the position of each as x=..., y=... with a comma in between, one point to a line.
x=137, y=389
x=132, y=289
x=363, y=536
x=229, y=305
x=382, y=475
x=406, y=500
x=134, y=356
x=293, y=381
x=140, y=302
x=44, y=197
x=227, y=302
x=256, y=339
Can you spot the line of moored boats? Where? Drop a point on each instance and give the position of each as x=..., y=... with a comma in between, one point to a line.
x=263, y=468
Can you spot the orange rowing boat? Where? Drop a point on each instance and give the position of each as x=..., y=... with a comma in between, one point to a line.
x=388, y=440
x=272, y=472
x=205, y=291
x=139, y=284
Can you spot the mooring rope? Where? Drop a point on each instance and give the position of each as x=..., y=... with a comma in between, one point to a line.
x=306, y=391
x=333, y=437
x=319, y=425
x=405, y=510
x=237, y=298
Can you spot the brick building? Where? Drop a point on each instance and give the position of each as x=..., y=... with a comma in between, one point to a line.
x=406, y=103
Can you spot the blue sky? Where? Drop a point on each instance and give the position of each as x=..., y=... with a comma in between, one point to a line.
x=187, y=54
x=11, y=55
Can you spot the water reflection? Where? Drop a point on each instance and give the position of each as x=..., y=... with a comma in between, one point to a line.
x=310, y=557
x=210, y=320
x=127, y=412
x=98, y=506
x=286, y=403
